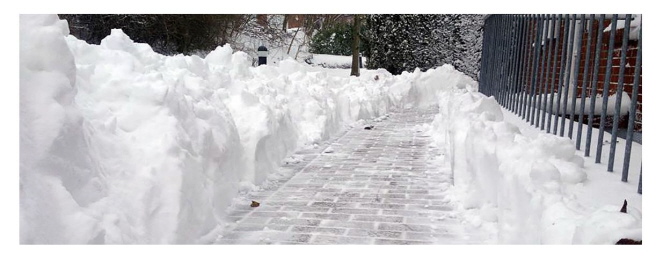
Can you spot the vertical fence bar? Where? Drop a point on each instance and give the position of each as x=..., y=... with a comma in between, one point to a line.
x=604, y=105
x=488, y=47
x=541, y=70
x=520, y=61
x=498, y=57
x=595, y=75
x=485, y=58
x=563, y=57
x=618, y=94
x=505, y=60
x=584, y=85
x=513, y=63
x=498, y=51
x=512, y=55
x=481, y=72
x=527, y=64
x=545, y=74
x=632, y=113
x=577, y=66
x=536, y=66
x=491, y=55
x=494, y=57
x=522, y=65
x=568, y=73
x=552, y=89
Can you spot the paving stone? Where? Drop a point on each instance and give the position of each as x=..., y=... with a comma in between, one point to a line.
x=322, y=230
x=378, y=218
x=299, y=222
x=404, y=227
x=399, y=242
x=306, y=209
x=275, y=214
x=382, y=206
x=348, y=224
x=380, y=186
x=326, y=216
x=374, y=233
x=327, y=239
x=355, y=211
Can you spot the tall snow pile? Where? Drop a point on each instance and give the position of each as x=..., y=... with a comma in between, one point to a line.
x=517, y=186
x=119, y=144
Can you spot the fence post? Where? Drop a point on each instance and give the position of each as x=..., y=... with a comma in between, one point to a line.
x=568, y=72
x=584, y=85
x=632, y=113
x=545, y=72
x=563, y=57
x=604, y=105
x=527, y=64
x=553, y=71
x=510, y=35
x=618, y=94
x=515, y=62
x=595, y=85
x=577, y=65
x=536, y=66
x=526, y=56
x=262, y=53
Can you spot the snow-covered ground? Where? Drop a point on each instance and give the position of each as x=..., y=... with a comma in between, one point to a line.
x=333, y=61
x=119, y=144
x=530, y=187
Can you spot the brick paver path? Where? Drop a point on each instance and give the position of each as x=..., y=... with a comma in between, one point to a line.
x=380, y=186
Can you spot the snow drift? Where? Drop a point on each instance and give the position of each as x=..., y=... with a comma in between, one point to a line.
x=520, y=186
x=119, y=144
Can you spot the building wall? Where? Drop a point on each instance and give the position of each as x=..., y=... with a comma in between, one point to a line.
x=547, y=78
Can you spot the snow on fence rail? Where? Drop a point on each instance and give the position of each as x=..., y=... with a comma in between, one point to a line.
x=582, y=59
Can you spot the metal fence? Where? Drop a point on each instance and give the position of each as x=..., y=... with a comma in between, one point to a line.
x=552, y=70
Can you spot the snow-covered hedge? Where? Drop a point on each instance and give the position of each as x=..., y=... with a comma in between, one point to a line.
x=519, y=185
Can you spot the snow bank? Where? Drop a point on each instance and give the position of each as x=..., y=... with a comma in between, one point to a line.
x=517, y=186
x=119, y=144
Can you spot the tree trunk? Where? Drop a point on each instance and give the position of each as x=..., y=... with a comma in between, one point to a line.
x=284, y=23
x=355, y=64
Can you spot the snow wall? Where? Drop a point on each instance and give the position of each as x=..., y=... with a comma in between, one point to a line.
x=120, y=145
x=519, y=185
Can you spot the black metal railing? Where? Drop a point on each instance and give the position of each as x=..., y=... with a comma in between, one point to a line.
x=553, y=69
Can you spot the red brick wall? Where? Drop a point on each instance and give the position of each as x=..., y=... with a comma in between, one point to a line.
x=557, y=51
x=616, y=55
